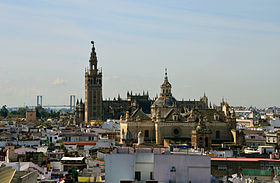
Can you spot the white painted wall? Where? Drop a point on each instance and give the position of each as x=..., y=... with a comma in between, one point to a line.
x=144, y=163
x=188, y=168
x=194, y=168
x=56, y=165
x=275, y=123
x=119, y=167
x=225, y=154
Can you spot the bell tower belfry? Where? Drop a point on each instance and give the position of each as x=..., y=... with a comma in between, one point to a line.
x=93, y=89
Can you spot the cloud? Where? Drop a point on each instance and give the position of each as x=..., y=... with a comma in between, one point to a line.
x=116, y=77
x=59, y=81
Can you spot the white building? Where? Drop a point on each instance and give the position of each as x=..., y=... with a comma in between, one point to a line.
x=165, y=168
x=224, y=154
x=182, y=168
x=119, y=167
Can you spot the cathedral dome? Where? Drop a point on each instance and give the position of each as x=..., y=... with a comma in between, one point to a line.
x=165, y=101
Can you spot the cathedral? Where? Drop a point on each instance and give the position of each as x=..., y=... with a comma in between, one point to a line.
x=167, y=123
x=96, y=109
x=159, y=119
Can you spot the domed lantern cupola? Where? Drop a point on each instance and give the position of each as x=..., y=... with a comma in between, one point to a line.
x=165, y=87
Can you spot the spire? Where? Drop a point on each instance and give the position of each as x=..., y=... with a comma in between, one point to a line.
x=165, y=75
x=233, y=115
x=93, y=58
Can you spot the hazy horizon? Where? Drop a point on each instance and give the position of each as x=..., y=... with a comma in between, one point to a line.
x=226, y=49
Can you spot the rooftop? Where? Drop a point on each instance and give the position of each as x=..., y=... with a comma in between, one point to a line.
x=72, y=158
x=244, y=159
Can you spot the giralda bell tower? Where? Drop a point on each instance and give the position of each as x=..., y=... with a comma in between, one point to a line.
x=93, y=89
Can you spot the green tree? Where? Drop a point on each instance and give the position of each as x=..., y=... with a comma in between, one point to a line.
x=75, y=174
x=4, y=111
x=42, y=113
x=21, y=112
x=61, y=145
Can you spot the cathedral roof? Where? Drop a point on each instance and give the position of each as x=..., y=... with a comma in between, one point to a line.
x=138, y=114
x=172, y=112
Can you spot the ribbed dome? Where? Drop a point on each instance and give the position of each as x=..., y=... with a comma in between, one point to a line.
x=167, y=101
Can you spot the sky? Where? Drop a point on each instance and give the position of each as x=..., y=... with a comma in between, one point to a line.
x=227, y=49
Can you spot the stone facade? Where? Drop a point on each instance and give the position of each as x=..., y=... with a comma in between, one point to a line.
x=31, y=116
x=167, y=122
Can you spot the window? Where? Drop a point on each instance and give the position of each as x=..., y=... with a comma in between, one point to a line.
x=94, y=79
x=138, y=176
x=175, y=117
x=206, y=141
x=176, y=132
x=146, y=133
x=217, y=134
x=151, y=175
x=222, y=168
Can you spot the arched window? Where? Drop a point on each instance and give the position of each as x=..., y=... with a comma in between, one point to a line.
x=146, y=133
x=175, y=117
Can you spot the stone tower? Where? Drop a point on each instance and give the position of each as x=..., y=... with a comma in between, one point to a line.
x=201, y=136
x=165, y=101
x=79, y=112
x=204, y=99
x=93, y=89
